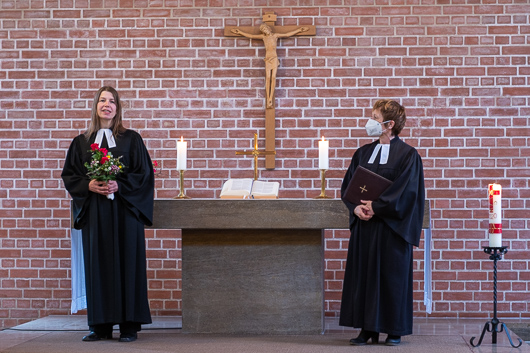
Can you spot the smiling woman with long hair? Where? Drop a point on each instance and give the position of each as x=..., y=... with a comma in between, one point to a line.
x=112, y=228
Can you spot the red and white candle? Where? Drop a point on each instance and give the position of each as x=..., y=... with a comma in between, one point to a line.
x=495, y=222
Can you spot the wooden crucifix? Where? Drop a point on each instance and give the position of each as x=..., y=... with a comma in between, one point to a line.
x=270, y=33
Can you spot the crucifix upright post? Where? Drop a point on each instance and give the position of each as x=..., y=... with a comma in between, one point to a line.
x=270, y=33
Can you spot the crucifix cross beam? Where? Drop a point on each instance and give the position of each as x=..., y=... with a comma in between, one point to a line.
x=269, y=34
x=255, y=152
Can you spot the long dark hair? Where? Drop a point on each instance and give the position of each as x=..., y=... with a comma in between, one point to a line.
x=117, y=125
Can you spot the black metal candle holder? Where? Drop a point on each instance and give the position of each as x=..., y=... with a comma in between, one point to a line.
x=494, y=325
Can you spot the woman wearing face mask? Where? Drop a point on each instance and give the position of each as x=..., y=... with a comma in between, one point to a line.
x=377, y=289
x=112, y=229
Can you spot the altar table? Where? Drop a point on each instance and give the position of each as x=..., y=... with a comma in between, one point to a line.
x=252, y=266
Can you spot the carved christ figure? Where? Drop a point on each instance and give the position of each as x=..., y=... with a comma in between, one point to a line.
x=270, y=40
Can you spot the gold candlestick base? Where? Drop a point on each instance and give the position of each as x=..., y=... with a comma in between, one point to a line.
x=323, y=186
x=181, y=195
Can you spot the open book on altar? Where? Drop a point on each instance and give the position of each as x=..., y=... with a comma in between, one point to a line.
x=250, y=189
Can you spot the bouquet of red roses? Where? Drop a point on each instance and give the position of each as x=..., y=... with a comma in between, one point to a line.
x=103, y=165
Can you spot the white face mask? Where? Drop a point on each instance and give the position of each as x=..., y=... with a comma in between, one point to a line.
x=373, y=127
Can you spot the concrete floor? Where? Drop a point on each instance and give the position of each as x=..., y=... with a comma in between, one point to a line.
x=431, y=335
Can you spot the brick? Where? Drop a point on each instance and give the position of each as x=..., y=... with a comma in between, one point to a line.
x=46, y=34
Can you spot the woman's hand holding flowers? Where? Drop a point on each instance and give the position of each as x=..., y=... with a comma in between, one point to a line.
x=103, y=188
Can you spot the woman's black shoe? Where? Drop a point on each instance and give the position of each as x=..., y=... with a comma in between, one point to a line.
x=128, y=337
x=363, y=338
x=393, y=340
x=97, y=337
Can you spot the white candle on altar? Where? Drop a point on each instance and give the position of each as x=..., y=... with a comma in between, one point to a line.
x=495, y=221
x=182, y=147
x=323, y=154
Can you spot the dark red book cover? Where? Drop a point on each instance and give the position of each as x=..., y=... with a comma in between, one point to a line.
x=365, y=185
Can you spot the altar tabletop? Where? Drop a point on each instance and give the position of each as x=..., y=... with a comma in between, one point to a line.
x=250, y=214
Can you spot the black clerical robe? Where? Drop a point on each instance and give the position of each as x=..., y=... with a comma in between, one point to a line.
x=113, y=230
x=377, y=289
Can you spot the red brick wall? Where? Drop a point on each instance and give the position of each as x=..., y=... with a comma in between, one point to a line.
x=460, y=67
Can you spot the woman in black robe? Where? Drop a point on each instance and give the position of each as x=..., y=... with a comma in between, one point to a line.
x=112, y=229
x=377, y=289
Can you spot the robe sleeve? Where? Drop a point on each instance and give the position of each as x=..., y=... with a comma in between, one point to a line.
x=345, y=183
x=401, y=206
x=136, y=185
x=76, y=181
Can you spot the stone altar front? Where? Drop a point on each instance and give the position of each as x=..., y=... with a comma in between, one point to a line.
x=252, y=266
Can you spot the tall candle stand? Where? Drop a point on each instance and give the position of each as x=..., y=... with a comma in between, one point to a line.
x=494, y=325
x=182, y=195
x=323, y=186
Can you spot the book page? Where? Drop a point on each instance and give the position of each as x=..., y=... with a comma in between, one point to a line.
x=236, y=189
x=264, y=189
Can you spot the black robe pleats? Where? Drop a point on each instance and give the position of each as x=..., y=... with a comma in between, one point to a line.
x=377, y=289
x=113, y=230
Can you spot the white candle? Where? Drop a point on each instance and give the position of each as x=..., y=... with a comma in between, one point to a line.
x=495, y=222
x=323, y=154
x=181, y=154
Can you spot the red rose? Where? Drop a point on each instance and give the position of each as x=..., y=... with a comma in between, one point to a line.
x=104, y=159
x=103, y=150
x=94, y=146
x=155, y=163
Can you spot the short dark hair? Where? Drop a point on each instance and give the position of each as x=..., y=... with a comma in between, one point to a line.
x=392, y=110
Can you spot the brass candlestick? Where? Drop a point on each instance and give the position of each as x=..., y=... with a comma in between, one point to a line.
x=182, y=194
x=323, y=185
